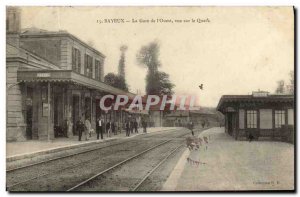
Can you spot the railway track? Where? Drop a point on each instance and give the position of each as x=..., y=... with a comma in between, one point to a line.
x=14, y=185
x=70, y=155
x=114, y=167
x=137, y=186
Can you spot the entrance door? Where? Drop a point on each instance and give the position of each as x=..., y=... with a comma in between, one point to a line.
x=75, y=113
x=98, y=110
x=29, y=122
x=59, y=130
x=230, y=123
x=29, y=113
x=87, y=108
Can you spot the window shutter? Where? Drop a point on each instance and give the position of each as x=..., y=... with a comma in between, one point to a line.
x=79, y=62
x=85, y=64
x=73, y=59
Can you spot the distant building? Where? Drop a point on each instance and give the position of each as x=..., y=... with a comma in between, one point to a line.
x=177, y=118
x=181, y=118
x=259, y=115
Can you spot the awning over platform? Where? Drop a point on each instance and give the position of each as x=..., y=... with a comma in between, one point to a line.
x=68, y=76
x=244, y=99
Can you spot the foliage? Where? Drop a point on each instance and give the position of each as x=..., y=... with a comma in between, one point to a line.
x=280, y=87
x=121, y=68
x=157, y=83
x=148, y=56
x=292, y=83
x=116, y=81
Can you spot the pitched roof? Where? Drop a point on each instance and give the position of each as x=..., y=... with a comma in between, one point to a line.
x=38, y=33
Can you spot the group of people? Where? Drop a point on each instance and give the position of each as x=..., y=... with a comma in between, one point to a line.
x=84, y=127
x=131, y=125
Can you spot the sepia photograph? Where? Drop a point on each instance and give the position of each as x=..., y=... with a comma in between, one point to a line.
x=150, y=99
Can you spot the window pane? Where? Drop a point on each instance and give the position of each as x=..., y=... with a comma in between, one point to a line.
x=251, y=119
x=279, y=118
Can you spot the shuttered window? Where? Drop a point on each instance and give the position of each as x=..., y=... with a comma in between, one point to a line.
x=265, y=118
x=97, y=70
x=76, y=60
x=88, y=66
x=241, y=119
x=291, y=116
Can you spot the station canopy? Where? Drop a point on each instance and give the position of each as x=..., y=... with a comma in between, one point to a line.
x=68, y=76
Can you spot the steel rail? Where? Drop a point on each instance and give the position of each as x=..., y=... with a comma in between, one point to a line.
x=55, y=171
x=119, y=164
x=115, y=166
x=70, y=155
x=82, y=152
x=157, y=166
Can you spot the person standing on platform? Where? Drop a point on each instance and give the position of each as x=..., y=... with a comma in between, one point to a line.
x=135, y=124
x=131, y=126
x=191, y=127
x=144, y=124
x=99, y=128
x=127, y=126
x=108, y=128
x=80, y=128
x=87, y=129
x=113, y=127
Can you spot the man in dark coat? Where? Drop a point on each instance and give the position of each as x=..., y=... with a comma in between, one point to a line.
x=135, y=124
x=108, y=128
x=191, y=127
x=99, y=128
x=203, y=124
x=127, y=126
x=131, y=126
x=113, y=128
x=144, y=124
x=80, y=128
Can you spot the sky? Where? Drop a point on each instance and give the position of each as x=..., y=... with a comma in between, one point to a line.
x=240, y=49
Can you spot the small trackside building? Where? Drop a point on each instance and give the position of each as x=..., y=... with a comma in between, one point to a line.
x=260, y=115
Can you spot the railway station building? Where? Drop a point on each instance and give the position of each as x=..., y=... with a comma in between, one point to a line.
x=260, y=115
x=53, y=79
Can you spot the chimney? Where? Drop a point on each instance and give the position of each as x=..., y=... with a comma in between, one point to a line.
x=13, y=25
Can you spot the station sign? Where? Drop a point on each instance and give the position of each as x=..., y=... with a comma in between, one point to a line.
x=43, y=75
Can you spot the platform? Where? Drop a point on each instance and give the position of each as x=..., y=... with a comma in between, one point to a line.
x=19, y=150
x=234, y=165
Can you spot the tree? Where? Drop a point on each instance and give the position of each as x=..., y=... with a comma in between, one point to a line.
x=291, y=86
x=121, y=70
x=280, y=87
x=148, y=55
x=157, y=83
x=116, y=81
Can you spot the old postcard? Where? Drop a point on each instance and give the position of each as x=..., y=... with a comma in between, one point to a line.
x=159, y=99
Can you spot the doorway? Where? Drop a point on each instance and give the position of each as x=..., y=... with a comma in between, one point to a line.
x=98, y=110
x=229, y=115
x=87, y=108
x=75, y=113
x=29, y=95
